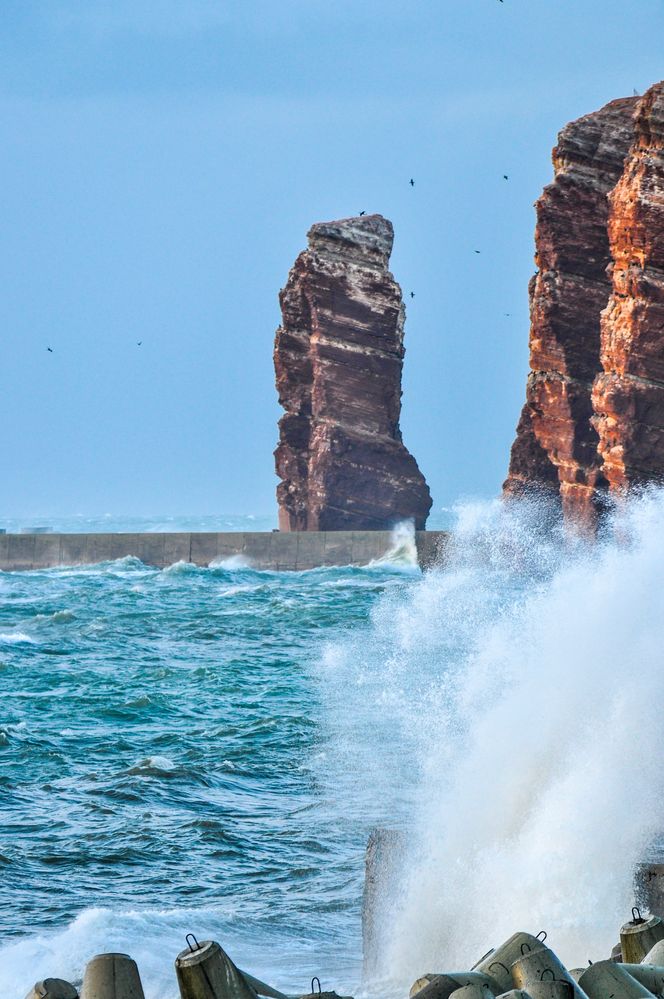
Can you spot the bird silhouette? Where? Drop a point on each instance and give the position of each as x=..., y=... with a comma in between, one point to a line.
x=138, y=343
x=478, y=251
x=505, y=177
x=412, y=182
x=50, y=350
x=412, y=294
x=363, y=213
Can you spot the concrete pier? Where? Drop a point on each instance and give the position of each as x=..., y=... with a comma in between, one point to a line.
x=277, y=551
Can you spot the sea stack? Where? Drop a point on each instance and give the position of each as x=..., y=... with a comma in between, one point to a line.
x=338, y=357
x=593, y=423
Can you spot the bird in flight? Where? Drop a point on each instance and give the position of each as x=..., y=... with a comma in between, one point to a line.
x=412, y=182
x=50, y=350
x=412, y=294
x=138, y=343
x=505, y=177
x=478, y=251
x=363, y=213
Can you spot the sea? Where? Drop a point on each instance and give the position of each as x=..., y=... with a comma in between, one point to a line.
x=208, y=750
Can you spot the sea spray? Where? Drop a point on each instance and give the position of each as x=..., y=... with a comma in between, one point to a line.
x=515, y=698
x=208, y=750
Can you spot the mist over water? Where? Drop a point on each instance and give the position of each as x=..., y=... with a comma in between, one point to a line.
x=513, y=734
x=209, y=750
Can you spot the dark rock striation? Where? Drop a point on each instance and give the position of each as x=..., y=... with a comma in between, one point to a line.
x=556, y=447
x=628, y=396
x=593, y=423
x=338, y=357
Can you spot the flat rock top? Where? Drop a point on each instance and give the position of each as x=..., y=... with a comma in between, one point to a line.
x=365, y=239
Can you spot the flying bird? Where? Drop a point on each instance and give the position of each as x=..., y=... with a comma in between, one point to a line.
x=479, y=251
x=363, y=213
x=505, y=177
x=412, y=182
x=50, y=350
x=138, y=343
x=412, y=294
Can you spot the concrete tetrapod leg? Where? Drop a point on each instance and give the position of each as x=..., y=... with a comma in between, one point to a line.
x=474, y=992
x=421, y=983
x=649, y=975
x=261, y=987
x=547, y=988
x=111, y=976
x=655, y=955
x=497, y=963
x=52, y=988
x=442, y=986
x=207, y=972
x=513, y=994
x=640, y=935
x=537, y=966
x=606, y=978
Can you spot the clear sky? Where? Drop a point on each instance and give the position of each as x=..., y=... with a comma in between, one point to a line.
x=162, y=161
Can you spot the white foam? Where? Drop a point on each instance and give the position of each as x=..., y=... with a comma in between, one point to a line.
x=16, y=638
x=232, y=564
x=402, y=553
x=507, y=712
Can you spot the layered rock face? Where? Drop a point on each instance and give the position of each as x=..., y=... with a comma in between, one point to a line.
x=593, y=423
x=338, y=357
x=556, y=447
x=628, y=397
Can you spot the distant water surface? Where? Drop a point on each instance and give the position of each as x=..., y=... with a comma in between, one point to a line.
x=114, y=523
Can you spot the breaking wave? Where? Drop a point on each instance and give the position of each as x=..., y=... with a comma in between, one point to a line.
x=513, y=735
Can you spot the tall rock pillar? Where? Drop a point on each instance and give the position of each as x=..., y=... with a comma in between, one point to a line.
x=338, y=357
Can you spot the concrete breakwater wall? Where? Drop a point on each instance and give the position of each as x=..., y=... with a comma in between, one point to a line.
x=277, y=551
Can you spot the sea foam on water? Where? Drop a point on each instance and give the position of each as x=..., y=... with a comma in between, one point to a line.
x=502, y=712
x=514, y=734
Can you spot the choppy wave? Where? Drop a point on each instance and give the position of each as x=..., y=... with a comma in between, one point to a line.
x=220, y=742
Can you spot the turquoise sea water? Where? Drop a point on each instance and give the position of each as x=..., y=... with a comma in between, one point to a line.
x=160, y=748
x=207, y=750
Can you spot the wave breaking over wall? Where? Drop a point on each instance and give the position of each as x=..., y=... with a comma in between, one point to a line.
x=505, y=713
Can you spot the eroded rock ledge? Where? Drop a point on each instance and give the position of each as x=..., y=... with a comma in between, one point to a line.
x=593, y=422
x=338, y=357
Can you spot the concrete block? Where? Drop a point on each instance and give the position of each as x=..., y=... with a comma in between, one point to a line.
x=100, y=548
x=338, y=548
x=74, y=549
x=204, y=548
x=150, y=548
x=4, y=549
x=47, y=550
x=257, y=549
x=177, y=548
x=21, y=551
x=310, y=550
x=229, y=544
x=370, y=545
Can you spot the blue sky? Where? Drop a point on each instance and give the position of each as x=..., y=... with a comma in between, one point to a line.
x=162, y=162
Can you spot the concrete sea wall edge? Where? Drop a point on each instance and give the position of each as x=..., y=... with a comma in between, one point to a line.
x=277, y=551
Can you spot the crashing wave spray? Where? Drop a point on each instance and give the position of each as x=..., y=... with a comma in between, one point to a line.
x=514, y=735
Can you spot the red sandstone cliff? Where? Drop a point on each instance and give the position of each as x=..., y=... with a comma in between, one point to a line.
x=556, y=447
x=628, y=397
x=338, y=357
